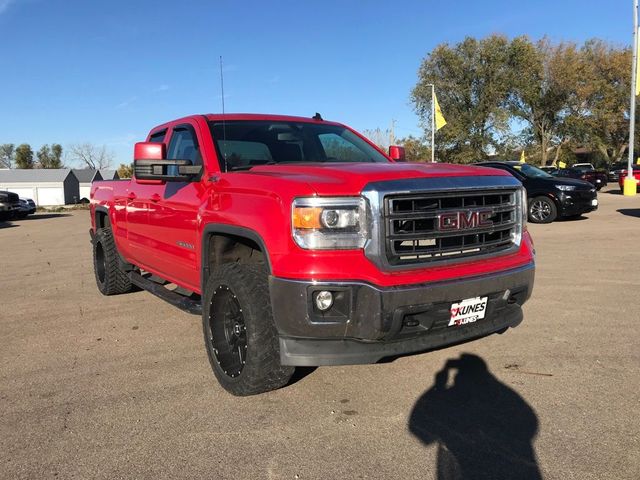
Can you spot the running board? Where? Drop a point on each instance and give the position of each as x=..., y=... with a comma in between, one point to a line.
x=184, y=303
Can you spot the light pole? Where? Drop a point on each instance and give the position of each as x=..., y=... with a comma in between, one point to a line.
x=433, y=122
x=630, y=185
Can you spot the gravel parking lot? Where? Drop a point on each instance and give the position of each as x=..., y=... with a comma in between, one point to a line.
x=120, y=387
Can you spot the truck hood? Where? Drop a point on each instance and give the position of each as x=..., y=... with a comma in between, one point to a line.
x=351, y=178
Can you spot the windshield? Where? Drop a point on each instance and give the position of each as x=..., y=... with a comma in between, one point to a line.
x=245, y=144
x=530, y=171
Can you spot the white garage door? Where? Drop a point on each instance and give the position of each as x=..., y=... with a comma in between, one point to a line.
x=85, y=191
x=23, y=192
x=50, y=196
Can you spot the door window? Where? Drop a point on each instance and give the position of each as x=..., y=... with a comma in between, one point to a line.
x=184, y=146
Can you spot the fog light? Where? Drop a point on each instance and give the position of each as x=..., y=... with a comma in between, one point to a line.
x=324, y=300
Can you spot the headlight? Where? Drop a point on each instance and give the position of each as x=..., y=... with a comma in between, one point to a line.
x=566, y=188
x=336, y=223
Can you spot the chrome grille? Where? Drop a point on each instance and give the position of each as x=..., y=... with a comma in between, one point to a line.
x=436, y=226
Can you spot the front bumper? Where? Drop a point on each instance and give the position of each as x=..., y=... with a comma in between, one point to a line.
x=368, y=323
x=576, y=203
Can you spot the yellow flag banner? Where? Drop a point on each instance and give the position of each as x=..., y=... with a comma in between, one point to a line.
x=562, y=165
x=638, y=161
x=440, y=121
x=638, y=65
x=523, y=159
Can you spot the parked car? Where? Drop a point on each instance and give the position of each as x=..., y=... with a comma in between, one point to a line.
x=27, y=207
x=585, y=167
x=623, y=175
x=615, y=169
x=550, y=170
x=300, y=243
x=550, y=197
x=597, y=179
x=9, y=205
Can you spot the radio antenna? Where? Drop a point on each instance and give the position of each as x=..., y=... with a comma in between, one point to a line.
x=224, y=130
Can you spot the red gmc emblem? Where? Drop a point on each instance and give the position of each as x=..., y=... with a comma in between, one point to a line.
x=464, y=220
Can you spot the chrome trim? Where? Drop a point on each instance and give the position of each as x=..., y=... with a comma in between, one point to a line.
x=376, y=192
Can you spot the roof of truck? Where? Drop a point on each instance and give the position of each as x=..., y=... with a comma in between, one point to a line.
x=263, y=116
x=245, y=116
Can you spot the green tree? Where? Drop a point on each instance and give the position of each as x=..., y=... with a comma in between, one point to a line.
x=606, y=85
x=50, y=157
x=472, y=83
x=7, y=155
x=545, y=91
x=125, y=171
x=24, y=156
x=416, y=150
x=56, y=155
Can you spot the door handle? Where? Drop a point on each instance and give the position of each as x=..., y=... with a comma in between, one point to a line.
x=155, y=197
x=131, y=195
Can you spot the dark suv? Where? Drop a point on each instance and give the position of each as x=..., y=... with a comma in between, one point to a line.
x=550, y=197
x=9, y=205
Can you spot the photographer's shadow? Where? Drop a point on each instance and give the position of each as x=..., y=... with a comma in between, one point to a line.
x=483, y=428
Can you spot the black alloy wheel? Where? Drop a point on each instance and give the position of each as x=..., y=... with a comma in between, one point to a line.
x=240, y=334
x=227, y=331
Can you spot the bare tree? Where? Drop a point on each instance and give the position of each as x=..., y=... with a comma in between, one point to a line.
x=382, y=138
x=91, y=155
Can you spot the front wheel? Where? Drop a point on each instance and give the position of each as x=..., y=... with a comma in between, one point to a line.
x=239, y=332
x=542, y=210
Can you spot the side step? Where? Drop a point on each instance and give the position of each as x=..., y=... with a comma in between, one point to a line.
x=184, y=303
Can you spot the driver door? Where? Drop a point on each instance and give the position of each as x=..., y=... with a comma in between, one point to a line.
x=173, y=214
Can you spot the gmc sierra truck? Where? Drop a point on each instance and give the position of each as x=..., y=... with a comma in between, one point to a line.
x=301, y=243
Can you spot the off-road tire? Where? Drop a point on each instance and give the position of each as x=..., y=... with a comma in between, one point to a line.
x=110, y=278
x=536, y=215
x=246, y=287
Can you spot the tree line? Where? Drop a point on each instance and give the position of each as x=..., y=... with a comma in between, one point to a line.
x=500, y=95
x=86, y=155
x=22, y=156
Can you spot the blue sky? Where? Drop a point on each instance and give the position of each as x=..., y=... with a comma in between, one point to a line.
x=106, y=72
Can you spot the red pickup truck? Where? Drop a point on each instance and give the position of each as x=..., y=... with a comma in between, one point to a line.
x=301, y=243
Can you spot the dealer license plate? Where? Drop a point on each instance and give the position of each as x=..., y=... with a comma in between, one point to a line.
x=468, y=311
x=594, y=202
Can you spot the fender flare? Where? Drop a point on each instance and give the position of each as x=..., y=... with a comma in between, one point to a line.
x=243, y=232
x=102, y=209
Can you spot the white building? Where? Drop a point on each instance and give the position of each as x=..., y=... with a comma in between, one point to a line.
x=47, y=187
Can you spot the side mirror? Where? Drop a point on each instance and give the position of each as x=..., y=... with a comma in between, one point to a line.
x=150, y=163
x=397, y=153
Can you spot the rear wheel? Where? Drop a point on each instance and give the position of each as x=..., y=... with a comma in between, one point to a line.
x=239, y=332
x=542, y=210
x=110, y=278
